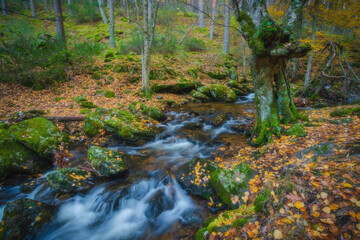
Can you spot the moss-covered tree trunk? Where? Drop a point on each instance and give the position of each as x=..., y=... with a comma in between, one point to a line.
x=272, y=46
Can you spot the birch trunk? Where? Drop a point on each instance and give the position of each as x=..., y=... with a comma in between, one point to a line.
x=46, y=6
x=4, y=7
x=226, y=43
x=213, y=19
x=60, y=32
x=313, y=35
x=102, y=12
x=201, y=14
x=33, y=8
x=112, y=25
x=146, y=49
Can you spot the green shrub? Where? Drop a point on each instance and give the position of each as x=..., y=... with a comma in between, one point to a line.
x=85, y=12
x=194, y=45
x=165, y=17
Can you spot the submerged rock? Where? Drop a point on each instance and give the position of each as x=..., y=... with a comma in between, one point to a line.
x=158, y=203
x=108, y=163
x=24, y=218
x=69, y=180
x=38, y=134
x=198, y=95
x=231, y=182
x=222, y=93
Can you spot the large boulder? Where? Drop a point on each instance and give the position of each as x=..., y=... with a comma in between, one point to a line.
x=152, y=112
x=231, y=182
x=194, y=177
x=107, y=162
x=222, y=93
x=122, y=124
x=204, y=90
x=198, y=95
x=177, y=88
x=38, y=134
x=69, y=180
x=24, y=218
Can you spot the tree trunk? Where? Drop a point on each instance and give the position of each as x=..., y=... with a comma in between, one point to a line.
x=4, y=7
x=313, y=35
x=145, y=56
x=60, y=32
x=102, y=12
x=213, y=19
x=201, y=14
x=226, y=43
x=24, y=2
x=112, y=25
x=33, y=9
x=46, y=6
x=244, y=56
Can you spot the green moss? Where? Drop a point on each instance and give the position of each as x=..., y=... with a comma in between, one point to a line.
x=93, y=123
x=85, y=111
x=200, y=234
x=178, y=88
x=198, y=95
x=119, y=68
x=87, y=104
x=297, y=129
x=204, y=90
x=343, y=112
x=222, y=93
x=106, y=162
x=261, y=200
x=239, y=222
x=105, y=93
x=217, y=75
x=38, y=134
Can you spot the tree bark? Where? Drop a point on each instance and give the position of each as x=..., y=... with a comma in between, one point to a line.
x=46, y=6
x=112, y=25
x=313, y=35
x=272, y=46
x=244, y=56
x=60, y=32
x=213, y=19
x=102, y=12
x=33, y=8
x=226, y=43
x=201, y=14
x=4, y=7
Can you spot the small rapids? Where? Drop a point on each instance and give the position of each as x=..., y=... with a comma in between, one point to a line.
x=152, y=205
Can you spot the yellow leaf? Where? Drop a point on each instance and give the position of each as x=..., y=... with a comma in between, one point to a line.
x=37, y=218
x=347, y=185
x=326, y=210
x=358, y=226
x=278, y=234
x=323, y=195
x=299, y=204
x=334, y=206
x=282, y=211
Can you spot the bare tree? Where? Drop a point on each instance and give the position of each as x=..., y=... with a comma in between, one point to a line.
x=226, y=43
x=112, y=25
x=33, y=8
x=4, y=7
x=272, y=46
x=313, y=35
x=60, y=32
x=201, y=14
x=213, y=19
x=102, y=12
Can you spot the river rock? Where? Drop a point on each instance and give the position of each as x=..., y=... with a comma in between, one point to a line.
x=38, y=134
x=122, y=124
x=24, y=218
x=194, y=177
x=16, y=158
x=222, y=93
x=198, y=95
x=230, y=182
x=108, y=163
x=69, y=180
x=158, y=203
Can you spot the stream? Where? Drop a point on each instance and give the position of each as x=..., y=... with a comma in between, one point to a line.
x=149, y=203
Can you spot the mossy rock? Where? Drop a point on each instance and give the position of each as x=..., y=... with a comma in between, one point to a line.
x=177, y=88
x=23, y=115
x=69, y=180
x=233, y=84
x=157, y=75
x=297, y=129
x=128, y=127
x=93, y=123
x=194, y=177
x=217, y=75
x=198, y=95
x=230, y=182
x=107, y=162
x=105, y=93
x=204, y=90
x=24, y=218
x=38, y=134
x=15, y=158
x=119, y=68
x=153, y=113
x=222, y=93
x=84, y=103
x=341, y=121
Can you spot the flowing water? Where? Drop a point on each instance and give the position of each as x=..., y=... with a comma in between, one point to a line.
x=149, y=204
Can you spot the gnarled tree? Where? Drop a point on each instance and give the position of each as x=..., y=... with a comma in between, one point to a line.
x=272, y=46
